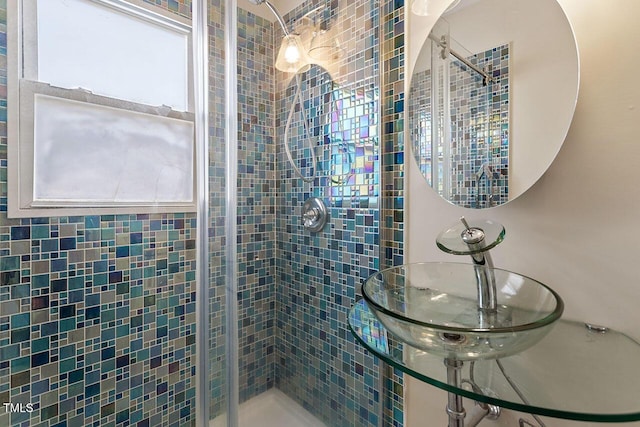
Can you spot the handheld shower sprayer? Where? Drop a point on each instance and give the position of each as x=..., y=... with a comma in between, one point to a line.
x=297, y=100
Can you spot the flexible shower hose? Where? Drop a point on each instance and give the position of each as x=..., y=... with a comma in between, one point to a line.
x=297, y=100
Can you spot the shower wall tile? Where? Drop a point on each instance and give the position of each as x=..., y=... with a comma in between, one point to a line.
x=180, y=7
x=318, y=275
x=295, y=288
x=97, y=313
x=97, y=319
x=392, y=176
x=256, y=206
x=217, y=211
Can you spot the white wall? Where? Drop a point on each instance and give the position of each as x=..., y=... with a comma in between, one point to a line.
x=282, y=6
x=575, y=229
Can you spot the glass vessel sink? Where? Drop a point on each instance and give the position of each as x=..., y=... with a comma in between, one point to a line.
x=433, y=307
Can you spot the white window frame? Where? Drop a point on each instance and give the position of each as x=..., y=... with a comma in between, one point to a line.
x=21, y=94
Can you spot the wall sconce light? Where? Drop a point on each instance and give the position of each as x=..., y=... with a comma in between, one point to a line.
x=292, y=55
x=325, y=46
x=312, y=41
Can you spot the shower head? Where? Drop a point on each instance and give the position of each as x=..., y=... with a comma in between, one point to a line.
x=257, y=2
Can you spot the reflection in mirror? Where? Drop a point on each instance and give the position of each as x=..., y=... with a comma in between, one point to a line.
x=491, y=98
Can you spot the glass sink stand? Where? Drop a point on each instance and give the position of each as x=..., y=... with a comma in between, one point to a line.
x=573, y=372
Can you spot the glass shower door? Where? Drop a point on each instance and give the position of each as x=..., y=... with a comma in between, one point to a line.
x=295, y=286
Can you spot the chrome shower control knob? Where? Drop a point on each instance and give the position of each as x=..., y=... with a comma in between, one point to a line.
x=314, y=214
x=311, y=215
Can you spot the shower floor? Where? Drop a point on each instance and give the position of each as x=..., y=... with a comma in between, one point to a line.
x=272, y=408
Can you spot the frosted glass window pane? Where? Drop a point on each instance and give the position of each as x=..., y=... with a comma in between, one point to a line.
x=86, y=152
x=109, y=52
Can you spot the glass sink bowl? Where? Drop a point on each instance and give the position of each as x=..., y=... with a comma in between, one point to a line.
x=433, y=307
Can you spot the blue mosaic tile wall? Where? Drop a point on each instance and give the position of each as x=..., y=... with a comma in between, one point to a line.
x=296, y=288
x=479, y=129
x=98, y=319
x=217, y=211
x=392, y=176
x=318, y=362
x=97, y=313
x=294, y=296
x=256, y=206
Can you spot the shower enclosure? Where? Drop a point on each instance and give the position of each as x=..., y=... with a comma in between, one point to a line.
x=153, y=313
x=307, y=96
x=303, y=130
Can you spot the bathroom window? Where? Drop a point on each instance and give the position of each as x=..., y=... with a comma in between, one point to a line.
x=100, y=108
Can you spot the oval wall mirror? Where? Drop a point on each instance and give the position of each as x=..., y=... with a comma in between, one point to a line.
x=491, y=99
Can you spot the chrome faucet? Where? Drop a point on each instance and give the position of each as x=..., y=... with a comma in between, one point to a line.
x=468, y=240
x=486, y=171
x=483, y=264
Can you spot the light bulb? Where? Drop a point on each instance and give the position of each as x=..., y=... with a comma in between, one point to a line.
x=291, y=53
x=420, y=7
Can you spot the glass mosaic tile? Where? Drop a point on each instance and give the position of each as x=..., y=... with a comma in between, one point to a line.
x=114, y=296
x=319, y=273
x=392, y=174
x=75, y=328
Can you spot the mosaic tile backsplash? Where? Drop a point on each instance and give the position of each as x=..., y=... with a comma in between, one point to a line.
x=97, y=313
x=479, y=130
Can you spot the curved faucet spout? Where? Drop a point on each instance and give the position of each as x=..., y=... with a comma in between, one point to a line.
x=486, y=283
x=475, y=238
